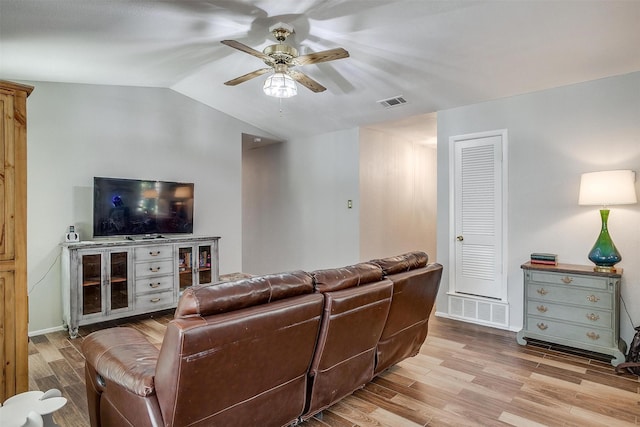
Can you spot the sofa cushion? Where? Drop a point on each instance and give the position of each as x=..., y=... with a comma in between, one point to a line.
x=333, y=279
x=404, y=262
x=229, y=296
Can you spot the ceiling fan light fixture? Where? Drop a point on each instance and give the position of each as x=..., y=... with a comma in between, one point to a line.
x=280, y=85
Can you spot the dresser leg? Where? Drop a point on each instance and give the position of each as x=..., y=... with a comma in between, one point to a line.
x=520, y=337
x=619, y=356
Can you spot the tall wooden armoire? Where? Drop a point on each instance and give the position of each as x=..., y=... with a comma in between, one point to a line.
x=14, y=307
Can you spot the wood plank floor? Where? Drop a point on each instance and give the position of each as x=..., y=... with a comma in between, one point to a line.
x=465, y=375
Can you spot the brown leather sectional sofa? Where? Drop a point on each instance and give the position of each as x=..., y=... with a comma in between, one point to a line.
x=271, y=350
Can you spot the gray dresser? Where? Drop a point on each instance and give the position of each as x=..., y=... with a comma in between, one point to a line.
x=574, y=306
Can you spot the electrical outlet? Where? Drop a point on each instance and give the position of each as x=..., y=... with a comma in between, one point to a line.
x=349, y=204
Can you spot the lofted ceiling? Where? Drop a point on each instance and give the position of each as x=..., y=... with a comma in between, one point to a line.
x=436, y=54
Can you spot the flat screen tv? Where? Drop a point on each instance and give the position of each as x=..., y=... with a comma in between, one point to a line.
x=132, y=207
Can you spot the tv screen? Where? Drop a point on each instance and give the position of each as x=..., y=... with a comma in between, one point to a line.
x=123, y=207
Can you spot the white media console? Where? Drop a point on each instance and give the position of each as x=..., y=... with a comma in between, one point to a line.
x=112, y=279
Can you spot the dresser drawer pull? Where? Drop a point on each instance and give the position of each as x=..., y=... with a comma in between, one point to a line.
x=593, y=317
x=154, y=285
x=542, y=291
x=567, y=279
x=154, y=253
x=593, y=336
x=542, y=309
x=154, y=269
x=154, y=299
x=593, y=298
x=542, y=326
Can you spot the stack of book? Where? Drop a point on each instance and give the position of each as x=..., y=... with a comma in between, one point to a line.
x=543, y=258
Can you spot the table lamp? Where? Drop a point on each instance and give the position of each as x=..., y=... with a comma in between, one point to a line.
x=604, y=189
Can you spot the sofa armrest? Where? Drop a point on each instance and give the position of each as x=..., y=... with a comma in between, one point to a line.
x=122, y=356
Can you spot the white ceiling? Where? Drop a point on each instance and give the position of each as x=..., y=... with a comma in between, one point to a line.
x=437, y=54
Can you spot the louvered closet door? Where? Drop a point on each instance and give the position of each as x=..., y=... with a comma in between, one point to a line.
x=478, y=216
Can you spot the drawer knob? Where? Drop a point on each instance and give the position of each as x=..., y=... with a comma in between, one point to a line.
x=567, y=279
x=154, y=253
x=542, y=291
x=154, y=299
x=542, y=309
x=593, y=298
x=593, y=336
x=542, y=326
x=154, y=269
x=154, y=285
x=593, y=317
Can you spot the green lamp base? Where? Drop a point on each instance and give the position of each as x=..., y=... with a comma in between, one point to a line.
x=604, y=253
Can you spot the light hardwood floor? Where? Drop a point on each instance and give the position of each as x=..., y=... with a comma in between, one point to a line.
x=465, y=375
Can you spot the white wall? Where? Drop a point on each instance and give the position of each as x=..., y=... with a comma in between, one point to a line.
x=397, y=196
x=295, y=204
x=76, y=132
x=295, y=194
x=554, y=136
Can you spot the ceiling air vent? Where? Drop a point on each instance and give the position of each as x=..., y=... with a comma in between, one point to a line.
x=393, y=102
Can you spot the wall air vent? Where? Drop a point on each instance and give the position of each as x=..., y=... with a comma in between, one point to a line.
x=393, y=102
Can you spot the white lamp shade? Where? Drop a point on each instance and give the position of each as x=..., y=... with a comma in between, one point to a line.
x=608, y=188
x=280, y=85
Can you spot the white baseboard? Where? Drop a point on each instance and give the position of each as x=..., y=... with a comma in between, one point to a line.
x=46, y=331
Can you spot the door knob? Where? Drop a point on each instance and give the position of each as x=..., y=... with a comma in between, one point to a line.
x=459, y=238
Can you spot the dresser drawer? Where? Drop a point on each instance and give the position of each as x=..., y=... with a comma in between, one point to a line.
x=150, y=253
x=154, y=284
x=154, y=268
x=569, y=294
x=594, y=282
x=578, y=333
x=583, y=315
x=159, y=300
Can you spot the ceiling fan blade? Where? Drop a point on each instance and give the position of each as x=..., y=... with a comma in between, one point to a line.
x=324, y=56
x=246, y=49
x=307, y=81
x=248, y=76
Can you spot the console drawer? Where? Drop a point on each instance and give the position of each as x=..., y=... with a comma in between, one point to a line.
x=159, y=300
x=154, y=284
x=150, y=253
x=154, y=268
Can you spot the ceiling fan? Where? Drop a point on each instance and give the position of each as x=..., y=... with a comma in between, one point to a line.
x=281, y=58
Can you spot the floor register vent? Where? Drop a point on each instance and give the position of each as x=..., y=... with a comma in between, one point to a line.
x=474, y=310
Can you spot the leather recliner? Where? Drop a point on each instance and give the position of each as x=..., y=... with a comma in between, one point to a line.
x=236, y=354
x=357, y=301
x=415, y=287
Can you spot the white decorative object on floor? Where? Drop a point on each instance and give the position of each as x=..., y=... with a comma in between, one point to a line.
x=31, y=409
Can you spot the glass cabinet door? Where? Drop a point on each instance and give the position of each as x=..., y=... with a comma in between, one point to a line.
x=185, y=267
x=118, y=274
x=91, y=284
x=194, y=265
x=204, y=264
